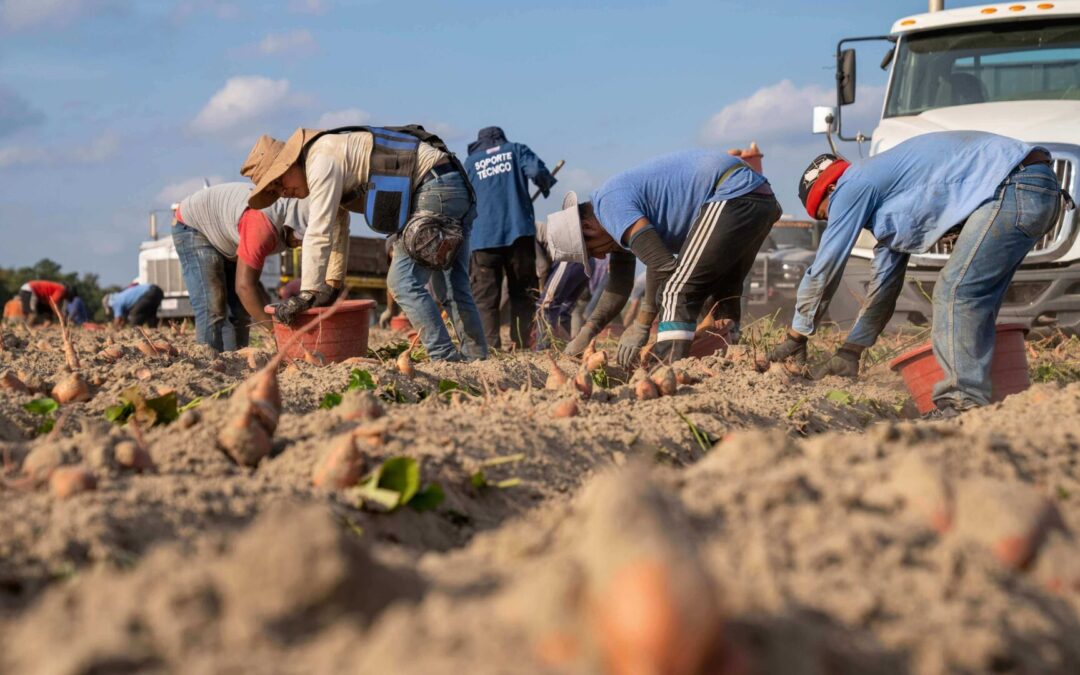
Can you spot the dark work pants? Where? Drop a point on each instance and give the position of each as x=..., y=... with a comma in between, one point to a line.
x=517, y=263
x=144, y=311
x=716, y=256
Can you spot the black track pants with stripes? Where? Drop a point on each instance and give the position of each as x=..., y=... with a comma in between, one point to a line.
x=714, y=260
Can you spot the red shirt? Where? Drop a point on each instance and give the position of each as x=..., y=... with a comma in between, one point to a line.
x=48, y=290
x=258, y=239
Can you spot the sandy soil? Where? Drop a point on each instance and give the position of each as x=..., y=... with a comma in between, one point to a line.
x=807, y=528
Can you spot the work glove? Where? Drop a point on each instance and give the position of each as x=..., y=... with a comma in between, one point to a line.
x=581, y=341
x=288, y=310
x=633, y=339
x=793, y=348
x=845, y=362
x=384, y=318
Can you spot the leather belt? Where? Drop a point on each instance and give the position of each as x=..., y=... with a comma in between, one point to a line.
x=1037, y=157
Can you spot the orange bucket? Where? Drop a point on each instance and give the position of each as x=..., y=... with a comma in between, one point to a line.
x=400, y=323
x=342, y=336
x=1008, y=369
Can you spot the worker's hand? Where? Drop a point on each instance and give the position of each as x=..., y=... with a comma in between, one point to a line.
x=845, y=362
x=586, y=335
x=384, y=318
x=791, y=349
x=633, y=339
x=287, y=311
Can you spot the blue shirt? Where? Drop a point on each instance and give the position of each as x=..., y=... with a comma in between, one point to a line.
x=76, y=311
x=504, y=210
x=908, y=197
x=669, y=192
x=122, y=301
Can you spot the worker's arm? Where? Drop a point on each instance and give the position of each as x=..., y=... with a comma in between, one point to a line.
x=252, y=294
x=611, y=301
x=645, y=242
x=325, y=178
x=850, y=208
x=885, y=287
x=536, y=170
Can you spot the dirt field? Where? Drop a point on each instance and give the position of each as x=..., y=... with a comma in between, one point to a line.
x=750, y=523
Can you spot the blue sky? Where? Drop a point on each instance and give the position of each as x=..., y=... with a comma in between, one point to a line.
x=110, y=108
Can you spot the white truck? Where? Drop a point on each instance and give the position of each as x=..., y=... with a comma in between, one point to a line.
x=1010, y=68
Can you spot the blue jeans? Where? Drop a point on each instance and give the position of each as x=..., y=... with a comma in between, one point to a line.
x=220, y=319
x=969, y=292
x=446, y=194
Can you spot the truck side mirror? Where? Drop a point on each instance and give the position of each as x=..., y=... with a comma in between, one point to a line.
x=845, y=76
x=824, y=119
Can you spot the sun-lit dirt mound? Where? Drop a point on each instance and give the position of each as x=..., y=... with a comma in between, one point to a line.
x=751, y=522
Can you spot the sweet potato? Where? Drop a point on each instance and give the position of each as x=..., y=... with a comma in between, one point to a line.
x=68, y=481
x=340, y=467
x=72, y=389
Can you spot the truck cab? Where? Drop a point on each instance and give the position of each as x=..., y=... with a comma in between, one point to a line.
x=1011, y=69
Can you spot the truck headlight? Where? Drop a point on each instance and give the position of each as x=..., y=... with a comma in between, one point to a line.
x=793, y=271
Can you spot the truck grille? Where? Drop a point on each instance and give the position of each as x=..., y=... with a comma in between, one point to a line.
x=166, y=275
x=1052, y=239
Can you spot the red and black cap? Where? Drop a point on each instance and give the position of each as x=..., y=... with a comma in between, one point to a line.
x=824, y=171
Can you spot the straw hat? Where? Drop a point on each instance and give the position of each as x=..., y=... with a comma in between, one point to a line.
x=269, y=160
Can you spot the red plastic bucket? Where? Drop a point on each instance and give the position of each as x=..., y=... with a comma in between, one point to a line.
x=401, y=323
x=1008, y=370
x=342, y=336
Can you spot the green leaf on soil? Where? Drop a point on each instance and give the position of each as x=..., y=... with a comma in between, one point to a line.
x=428, y=499
x=147, y=411
x=46, y=426
x=478, y=480
x=392, y=484
x=191, y=405
x=330, y=400
x=391, y=394
x=446, y=386
x=704, y=439
x=360, y=379
x=41, y=406
x=840, y=397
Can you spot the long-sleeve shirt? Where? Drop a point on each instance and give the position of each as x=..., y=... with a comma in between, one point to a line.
x=504, y=210
x=121, y=302
x=908, y=197
x=337, y=164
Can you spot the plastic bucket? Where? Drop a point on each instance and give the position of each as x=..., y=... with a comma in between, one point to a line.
x=342, y=336
x=400, y=323
x=1008, y=370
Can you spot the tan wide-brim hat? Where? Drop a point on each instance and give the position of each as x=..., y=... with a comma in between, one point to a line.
x=269, y=160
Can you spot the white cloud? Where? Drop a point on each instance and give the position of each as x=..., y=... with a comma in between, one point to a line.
x=242, y=100
x=309, y=6
x=174, y=192
x=294, y=42
x=95, y=151
x=18, y=14
x=778, y=117
x=782, y=112
x=343, y=118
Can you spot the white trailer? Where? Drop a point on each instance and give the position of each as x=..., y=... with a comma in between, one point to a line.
x=1011, y=69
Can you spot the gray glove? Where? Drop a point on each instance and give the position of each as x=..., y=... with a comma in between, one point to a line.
x=794, y=348
x=384, y=318
x=586, y=335
x=845, y=362
x=633, y=339
x=287, y=311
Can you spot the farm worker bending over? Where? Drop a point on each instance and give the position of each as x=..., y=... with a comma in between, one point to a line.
x=1000, y=195
x=405, y=181
x=136, y=305
x=223, y=245
x=38, y=296
x=76, y=309
x=708, y=206
x=504, y=233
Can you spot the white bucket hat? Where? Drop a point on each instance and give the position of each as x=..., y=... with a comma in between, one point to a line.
x=563, y=237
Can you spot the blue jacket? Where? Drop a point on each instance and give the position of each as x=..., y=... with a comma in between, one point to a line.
x=499, y=172
x=908, y=197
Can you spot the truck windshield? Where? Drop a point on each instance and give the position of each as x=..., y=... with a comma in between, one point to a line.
x=797, y=237
x=1022, y=61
